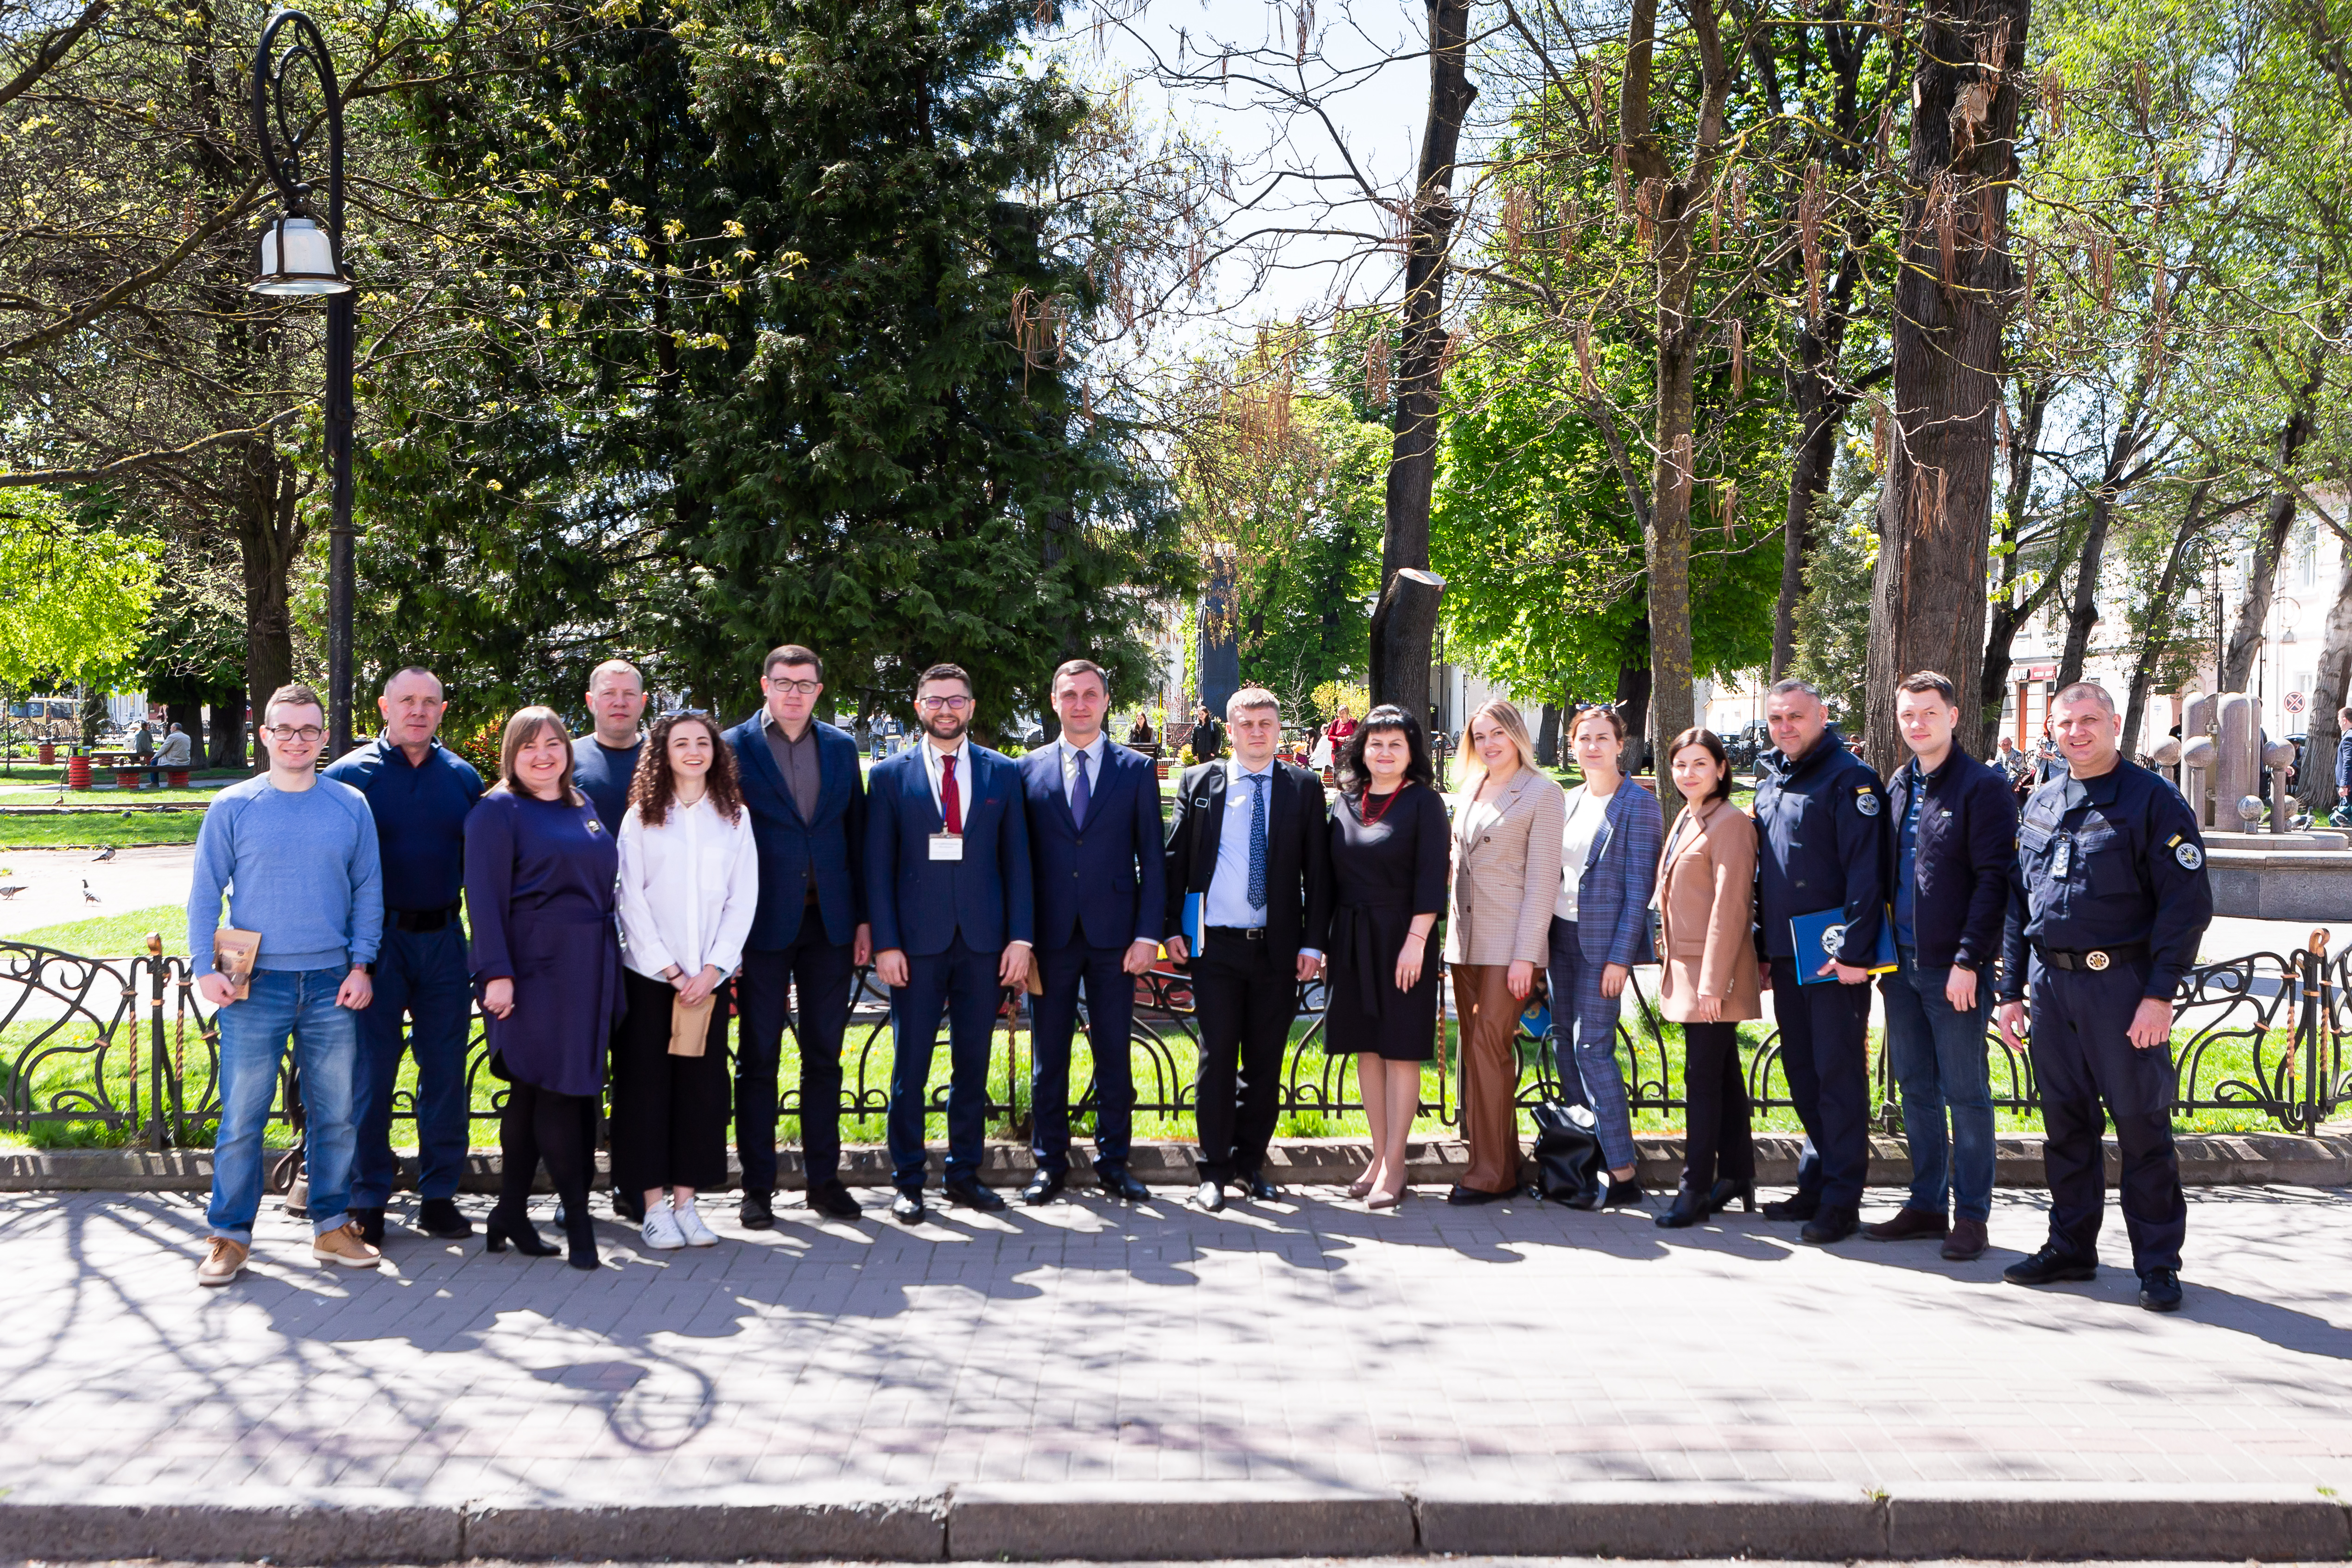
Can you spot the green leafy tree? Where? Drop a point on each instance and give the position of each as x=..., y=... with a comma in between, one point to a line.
x=73, y=599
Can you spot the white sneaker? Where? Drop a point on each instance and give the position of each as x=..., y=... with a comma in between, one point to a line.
x=661, y=1231
x=690, y=1225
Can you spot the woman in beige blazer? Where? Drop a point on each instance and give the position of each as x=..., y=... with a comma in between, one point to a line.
x=1508, y=821
x=1707, y=898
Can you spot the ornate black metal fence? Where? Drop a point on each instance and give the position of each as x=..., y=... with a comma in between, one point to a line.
x=126, y=1048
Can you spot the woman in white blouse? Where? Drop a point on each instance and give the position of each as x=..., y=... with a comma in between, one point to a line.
x=690, y=882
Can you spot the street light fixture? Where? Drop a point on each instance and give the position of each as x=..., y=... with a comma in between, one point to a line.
x=295, y=256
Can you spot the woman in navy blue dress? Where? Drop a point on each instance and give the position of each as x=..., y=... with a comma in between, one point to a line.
x=540, y=872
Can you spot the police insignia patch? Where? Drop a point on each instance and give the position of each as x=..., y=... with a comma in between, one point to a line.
x=1866, y=802
x=2189, y=857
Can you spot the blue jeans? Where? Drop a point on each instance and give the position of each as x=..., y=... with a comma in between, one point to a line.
x=1937, y=1055
x=282, y=1001
x=422, y=975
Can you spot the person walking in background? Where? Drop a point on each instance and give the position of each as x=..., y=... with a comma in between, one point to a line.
x=1955, y=840
x=1509, y=822
x=947, y=885
x=604, y=760
x=806, y=796
x=419, y=794
x=1600, y=930
x=540, y=873
x=1820, y=824
x=1706, y=898
x=297, y=856
x=1249, y=837
x=1389, y=849
x=1093, y=843
x=2343, y=762
x=689, y=884
x=1208, y=737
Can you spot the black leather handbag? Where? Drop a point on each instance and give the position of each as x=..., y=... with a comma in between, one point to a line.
x=1570, y=1168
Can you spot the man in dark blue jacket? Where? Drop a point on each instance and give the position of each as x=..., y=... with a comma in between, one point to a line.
x=1820, y=828
x=1093, y=847
x=2343, y=762
x=947, y=885
x=800, y=783
x=1954, y=841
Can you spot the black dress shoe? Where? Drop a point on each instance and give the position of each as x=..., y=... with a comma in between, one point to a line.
x=2050, y=1266
x=907, y=1208
x=1623, y=1195
x=757, y=1211
x=1260, y=1189
x=1118, y=1183
x=1792, y=1208
x=2159, y=1290
x=1042, y=1187
x=629, y=1206
x=371, y=1223
x=967, y=1192
x=1690, y=1207
x=1462, y=1195
x=1830, y=1225
x=831, y=1200
x=439, y=1217
x=1725, y=1189
x=1211, y=1197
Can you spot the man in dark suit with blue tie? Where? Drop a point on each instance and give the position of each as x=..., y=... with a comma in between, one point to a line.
x=948, y=887
x=1094, y=842
x=801, y=783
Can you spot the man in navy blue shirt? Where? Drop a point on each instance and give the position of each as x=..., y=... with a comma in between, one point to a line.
x=1956, y=833
x=605, y=759
x=419, y=791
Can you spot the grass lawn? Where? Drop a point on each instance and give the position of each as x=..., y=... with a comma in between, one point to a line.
x=98, y=829
x=114, y=936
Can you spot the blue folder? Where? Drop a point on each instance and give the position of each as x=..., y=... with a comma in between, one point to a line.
x=1192, y=922
x=1816, y=944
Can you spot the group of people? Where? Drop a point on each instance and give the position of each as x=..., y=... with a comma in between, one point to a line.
x=627, y=891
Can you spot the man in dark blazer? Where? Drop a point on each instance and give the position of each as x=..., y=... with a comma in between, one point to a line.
x=948, y=886
x=800, y=783
x=1250, y=836
x=1094, y=846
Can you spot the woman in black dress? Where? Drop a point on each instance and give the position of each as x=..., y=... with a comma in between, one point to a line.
x=1389, y=850
x=540, y=893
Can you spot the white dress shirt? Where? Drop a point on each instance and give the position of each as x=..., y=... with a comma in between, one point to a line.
x=1094, y=754
x=1228, y=901
x=962, y=755
x=688, y=889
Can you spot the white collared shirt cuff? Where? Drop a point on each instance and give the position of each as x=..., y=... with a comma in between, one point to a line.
x=1314, y=952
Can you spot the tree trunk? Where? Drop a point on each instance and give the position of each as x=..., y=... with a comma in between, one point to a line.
x=224, y=739
x=2331, y=688
x=1547, y=736
x=1819, y=409
x=1633, y=704
x=2159, y=615
x=2278, y=518
x=1405, y=627
x=2083, y=613
x=1928, y=601
x=2008, y=613
x=269, y=540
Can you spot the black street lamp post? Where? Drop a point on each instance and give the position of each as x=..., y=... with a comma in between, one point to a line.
x=296, y=256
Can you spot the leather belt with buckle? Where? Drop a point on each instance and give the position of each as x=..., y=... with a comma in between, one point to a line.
x=418, y=922
x=2097, y=960
x=1240, y=933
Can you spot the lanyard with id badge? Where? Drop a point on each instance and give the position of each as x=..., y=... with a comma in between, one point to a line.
x=2062, y=857
x=946, y=846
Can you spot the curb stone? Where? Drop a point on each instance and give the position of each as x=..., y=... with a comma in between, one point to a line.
x=1175, y=1520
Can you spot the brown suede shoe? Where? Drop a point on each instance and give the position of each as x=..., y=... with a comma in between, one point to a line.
x=223, y=1261
x=1967, y=1242
x=342, y=1246
x=1909, y=1225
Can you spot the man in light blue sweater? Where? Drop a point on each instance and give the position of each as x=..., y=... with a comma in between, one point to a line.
x=297, y=856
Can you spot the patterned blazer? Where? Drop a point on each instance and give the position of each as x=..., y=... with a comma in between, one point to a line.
x=1614, y=884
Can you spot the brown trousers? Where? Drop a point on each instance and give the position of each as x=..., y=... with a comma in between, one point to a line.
x=1490, y=1075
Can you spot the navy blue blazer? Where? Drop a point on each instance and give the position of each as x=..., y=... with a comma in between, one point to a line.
x=1103, y=883
x=918, y=904
x=791, y=848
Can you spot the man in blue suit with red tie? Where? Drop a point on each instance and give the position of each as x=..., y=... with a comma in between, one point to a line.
x=948, y=890
x=1093, y=840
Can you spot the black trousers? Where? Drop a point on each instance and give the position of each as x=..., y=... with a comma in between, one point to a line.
x=2083, y=1054
x=1718, y=1144
x=823, y=971
x=539, y=1125
x=669, y=1113
x=1825, y=1051
x=1244, y=996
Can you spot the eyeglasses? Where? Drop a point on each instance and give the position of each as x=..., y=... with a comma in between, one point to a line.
x=798, y=688
x=933, y=704
x=289, y=732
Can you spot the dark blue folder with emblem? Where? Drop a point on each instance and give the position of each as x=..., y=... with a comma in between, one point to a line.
x=1817, y=938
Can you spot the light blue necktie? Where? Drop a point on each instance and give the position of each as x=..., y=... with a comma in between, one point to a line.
x=1257, y=841
x=1079, y=795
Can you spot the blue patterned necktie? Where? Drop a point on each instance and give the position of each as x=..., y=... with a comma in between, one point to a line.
x=1257, y=841
x=1079, y=795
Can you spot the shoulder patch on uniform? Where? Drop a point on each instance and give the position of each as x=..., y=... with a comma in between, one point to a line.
x=1865, y=800
x=2189, y=857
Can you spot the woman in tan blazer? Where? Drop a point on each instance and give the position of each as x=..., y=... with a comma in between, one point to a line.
x=1707, y=898
x=1508, y=821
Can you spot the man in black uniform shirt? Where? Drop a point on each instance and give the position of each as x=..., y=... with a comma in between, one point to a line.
x=2111, y=895
x=1820, y=829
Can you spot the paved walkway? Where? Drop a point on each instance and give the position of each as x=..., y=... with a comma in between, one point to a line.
x=1513, y=1345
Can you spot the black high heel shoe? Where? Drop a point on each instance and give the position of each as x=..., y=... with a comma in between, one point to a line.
x=580, y=1235
x=1688, y=1209
x=499, y=1229
x=1727, y=1189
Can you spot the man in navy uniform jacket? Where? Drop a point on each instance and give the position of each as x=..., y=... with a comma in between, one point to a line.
x=947, y=889
x=800, y=783
x=1094, y=841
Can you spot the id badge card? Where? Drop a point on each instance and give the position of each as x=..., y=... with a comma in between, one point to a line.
x=2062, y=858
x=946, y=846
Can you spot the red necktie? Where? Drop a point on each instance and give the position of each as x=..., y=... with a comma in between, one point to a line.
x=951, y=799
